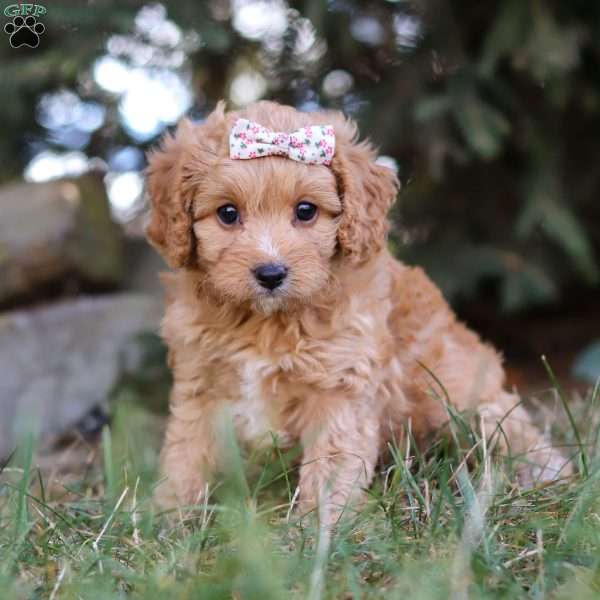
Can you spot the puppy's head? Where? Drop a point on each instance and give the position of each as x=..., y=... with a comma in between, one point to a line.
x=266, y=232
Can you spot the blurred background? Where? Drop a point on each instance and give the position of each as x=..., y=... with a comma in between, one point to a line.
x=490, y=112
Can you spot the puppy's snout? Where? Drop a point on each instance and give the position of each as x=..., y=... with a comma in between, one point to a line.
x=271, y=275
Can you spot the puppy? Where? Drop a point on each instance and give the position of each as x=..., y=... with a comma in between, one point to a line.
x=286, y=310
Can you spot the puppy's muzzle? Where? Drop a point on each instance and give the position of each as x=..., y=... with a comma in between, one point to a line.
x=271, y=275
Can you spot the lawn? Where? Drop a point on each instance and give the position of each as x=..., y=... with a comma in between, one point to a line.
x=431, y=528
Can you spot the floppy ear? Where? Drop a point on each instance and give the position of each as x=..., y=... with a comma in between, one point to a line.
x=367, y=192
x=174, y=169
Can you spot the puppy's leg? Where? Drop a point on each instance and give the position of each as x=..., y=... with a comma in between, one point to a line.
x=518, y=436
x=187, y=460
x=340, y=453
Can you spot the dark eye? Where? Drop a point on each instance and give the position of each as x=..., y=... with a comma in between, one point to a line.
x=228, y=214
x=305, y=211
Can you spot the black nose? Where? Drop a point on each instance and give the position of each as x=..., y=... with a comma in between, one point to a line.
x=270, y=276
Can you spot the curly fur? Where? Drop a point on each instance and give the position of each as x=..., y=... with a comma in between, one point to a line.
x=335, y=358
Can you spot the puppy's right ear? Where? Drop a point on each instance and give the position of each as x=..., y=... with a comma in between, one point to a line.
x=174, y=170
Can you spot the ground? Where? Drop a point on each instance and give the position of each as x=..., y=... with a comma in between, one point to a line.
x=432, y=527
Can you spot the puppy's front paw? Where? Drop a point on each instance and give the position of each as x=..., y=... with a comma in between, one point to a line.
x=169, y=496
x=330, y=506
x=543, y=464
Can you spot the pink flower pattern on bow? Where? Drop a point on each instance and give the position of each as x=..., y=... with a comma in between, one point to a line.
x=314, y=145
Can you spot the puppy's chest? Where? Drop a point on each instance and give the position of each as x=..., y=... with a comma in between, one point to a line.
x=255, y=408
x=271, y=391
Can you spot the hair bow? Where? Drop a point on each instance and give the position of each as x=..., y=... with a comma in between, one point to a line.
x=313, y=145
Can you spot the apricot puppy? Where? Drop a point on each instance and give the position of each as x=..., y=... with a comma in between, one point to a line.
x=286, y=309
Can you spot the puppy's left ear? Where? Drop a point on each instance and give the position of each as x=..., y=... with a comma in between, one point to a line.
x=367, y=191
x=175, y=169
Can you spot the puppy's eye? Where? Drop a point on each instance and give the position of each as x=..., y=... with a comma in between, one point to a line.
x=305, y=211
x=228, y=214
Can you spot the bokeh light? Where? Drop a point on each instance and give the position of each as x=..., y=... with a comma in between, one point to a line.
x=49, y=165
x=260, y=19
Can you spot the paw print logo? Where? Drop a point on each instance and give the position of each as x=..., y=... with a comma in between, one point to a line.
x=24, y=31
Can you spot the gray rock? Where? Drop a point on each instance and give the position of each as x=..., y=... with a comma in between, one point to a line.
x=143, y=266
x=58, y=362
x=52, y=230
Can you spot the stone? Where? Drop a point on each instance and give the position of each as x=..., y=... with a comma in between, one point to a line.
x=57, y=363
x=57, y=230
x=143, y=266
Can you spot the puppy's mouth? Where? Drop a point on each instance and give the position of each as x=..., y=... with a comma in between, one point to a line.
x=269, y=301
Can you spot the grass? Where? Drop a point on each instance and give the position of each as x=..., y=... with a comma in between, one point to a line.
x=431, y=527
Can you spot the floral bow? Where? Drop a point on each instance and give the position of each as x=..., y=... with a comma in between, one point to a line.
x=313, y=145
